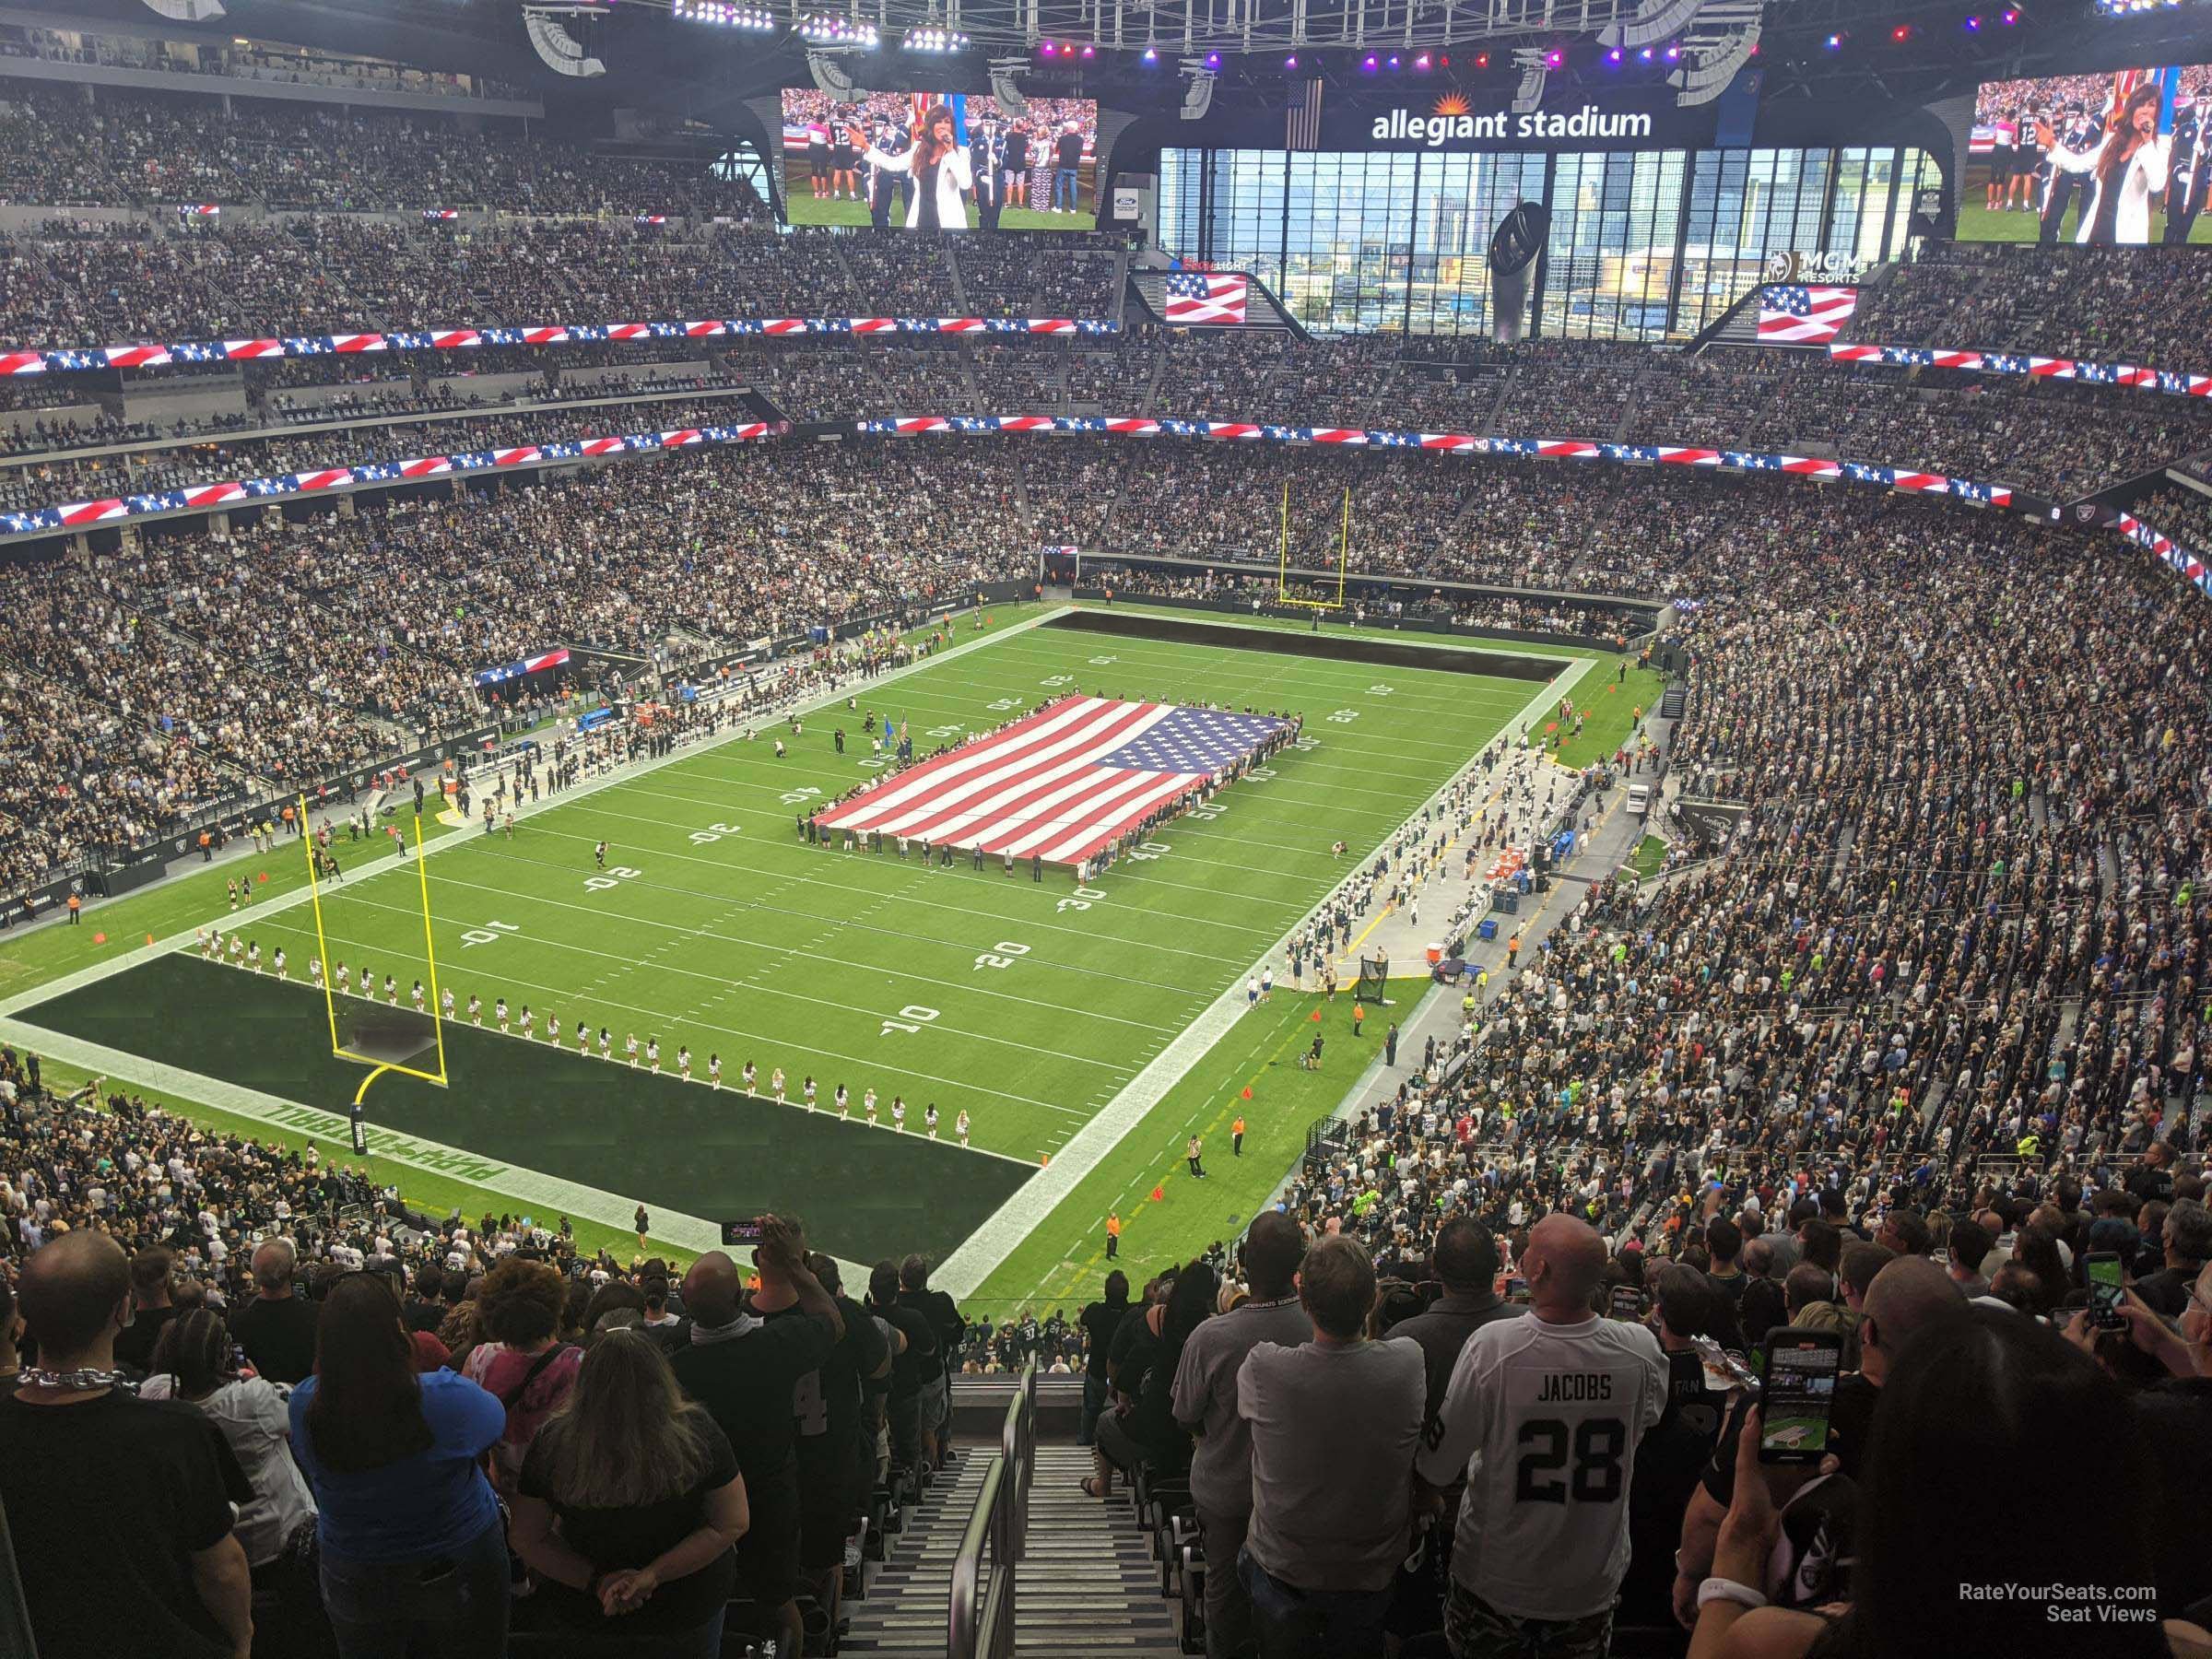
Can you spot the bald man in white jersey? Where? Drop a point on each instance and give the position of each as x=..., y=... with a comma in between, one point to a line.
x=1544, y=1415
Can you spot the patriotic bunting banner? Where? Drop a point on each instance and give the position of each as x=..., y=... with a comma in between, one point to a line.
x=73, y=515
x=222, y=493
x=2172, y=383
x=63, y=360
x=1459, y=443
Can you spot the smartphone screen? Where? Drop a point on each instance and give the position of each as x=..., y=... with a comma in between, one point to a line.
x=2103, y=1266
x=1798, y=1398
x=1627, y=1303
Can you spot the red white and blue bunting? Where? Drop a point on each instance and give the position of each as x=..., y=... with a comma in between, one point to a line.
x=2087, y=373
x=78, y=359
x=240, y=492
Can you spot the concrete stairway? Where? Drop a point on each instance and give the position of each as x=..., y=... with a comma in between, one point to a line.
x=1088, y=1585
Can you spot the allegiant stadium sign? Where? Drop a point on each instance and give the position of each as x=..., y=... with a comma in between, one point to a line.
x=1453, y=119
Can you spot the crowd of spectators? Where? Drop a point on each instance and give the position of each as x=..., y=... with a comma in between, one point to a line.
x=126, y=149
x=2146, y=306
x=328, y=273
x=360, y=1391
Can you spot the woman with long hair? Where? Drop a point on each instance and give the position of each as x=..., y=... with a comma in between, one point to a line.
x=629, y=1503
x=943, y=180
x=1978, y=1396
x=2127, y=169
x=414, y=1560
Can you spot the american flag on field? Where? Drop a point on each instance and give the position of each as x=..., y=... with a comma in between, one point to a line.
x=1060, y=784
x=1198, y=298
x=1797, y=315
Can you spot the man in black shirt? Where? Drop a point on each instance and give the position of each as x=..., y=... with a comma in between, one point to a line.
x=834, y=1461
x=122, y=1506
x=424, y=1311
x=914, y=1357
x=745, y=1371
x=946, y=1322
x=277, y=1327
x=1068, y=153
x=1098, y=1324
x=151, y=1308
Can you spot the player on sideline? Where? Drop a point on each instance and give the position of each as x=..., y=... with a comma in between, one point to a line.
x=775, y=1084
x=499, y=1012
x=844, y=1103
x=599, y=855
x=476, y=1007
x=867, y=1104
x=959, y=1126
x=714, y=1071
x=929, y=1119
x=683, y=1062
x=445, y=1002
x=1267, y=982
x=807, y=1087
x=898, y=1114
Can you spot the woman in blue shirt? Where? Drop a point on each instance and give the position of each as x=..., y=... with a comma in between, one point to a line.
x=414, y=1559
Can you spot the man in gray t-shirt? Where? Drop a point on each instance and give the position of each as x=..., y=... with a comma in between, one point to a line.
x=1205, y=1405
x=1334, y=1427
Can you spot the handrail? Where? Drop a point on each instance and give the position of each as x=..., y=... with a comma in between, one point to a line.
x=979, y=1615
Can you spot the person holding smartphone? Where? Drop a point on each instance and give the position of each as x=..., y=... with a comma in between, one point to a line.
x=1909, y=1296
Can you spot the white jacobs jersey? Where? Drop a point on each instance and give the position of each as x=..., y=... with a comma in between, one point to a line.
x=1544, y=1419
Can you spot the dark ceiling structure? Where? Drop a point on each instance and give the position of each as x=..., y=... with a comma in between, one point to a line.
x=1138, y=55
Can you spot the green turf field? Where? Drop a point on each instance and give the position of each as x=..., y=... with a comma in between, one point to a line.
x=806, y=209
x=1977, y=223
x=1043, y=1011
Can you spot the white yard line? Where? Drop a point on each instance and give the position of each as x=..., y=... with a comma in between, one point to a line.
x=966, y=1269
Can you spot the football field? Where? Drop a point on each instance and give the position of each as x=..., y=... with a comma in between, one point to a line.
x=1044, y=1010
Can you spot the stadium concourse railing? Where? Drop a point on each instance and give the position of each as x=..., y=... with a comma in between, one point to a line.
x=979, y=1613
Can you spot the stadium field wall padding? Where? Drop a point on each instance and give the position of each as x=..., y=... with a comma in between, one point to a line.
x=1332, y=647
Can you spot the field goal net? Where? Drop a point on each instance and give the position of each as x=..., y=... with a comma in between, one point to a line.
x=1374, y=980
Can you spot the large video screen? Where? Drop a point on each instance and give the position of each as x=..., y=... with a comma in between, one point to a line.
x=940, y=160
x=2120, y=157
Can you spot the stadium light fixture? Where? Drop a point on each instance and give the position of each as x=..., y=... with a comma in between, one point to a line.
x=1421, y=62
x=822, y=28
x=1835, y=42
x=1901, y=33
x=935, y=41
x=1151, y=55
x=1973, y=24
x=754, y=18
x=1613, y=56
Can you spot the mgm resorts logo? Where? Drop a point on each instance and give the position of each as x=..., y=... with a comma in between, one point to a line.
x=1453, y=117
